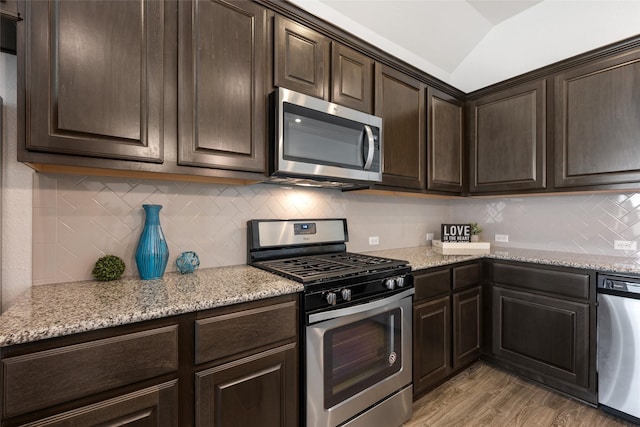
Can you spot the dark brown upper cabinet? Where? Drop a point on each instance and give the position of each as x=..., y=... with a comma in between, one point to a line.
x=400, y=101
x=222, y=88
x=597, y=125
x=94, y=79
x=9, y=8
x=445, y=141
x=352, y=78
x=507, y=137
x=301, y=58
x=306, y=61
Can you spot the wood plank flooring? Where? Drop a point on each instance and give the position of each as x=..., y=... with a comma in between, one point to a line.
x=486, y=396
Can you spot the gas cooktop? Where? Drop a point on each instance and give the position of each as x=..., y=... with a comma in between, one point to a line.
x=318, y=268
x=313, y=252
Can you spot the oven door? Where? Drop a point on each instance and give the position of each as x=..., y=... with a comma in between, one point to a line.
x=356, y=357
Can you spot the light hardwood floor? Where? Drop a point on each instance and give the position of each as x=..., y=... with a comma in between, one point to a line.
x=485, y=396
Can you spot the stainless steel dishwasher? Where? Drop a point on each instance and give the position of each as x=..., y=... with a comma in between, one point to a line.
x=619, y=345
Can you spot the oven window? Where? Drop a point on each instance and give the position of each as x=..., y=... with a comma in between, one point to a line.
x=361, y=354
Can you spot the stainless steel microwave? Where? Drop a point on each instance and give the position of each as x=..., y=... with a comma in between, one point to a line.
x=322, y=141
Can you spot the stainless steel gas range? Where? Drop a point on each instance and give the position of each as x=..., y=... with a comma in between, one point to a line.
x=356, y=321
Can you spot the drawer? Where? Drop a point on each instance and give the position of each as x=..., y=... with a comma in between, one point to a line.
x=561, y=283
x=433, y=284
x=41, y=379
x=467, y=275
x=152, y=406
x=244, y=330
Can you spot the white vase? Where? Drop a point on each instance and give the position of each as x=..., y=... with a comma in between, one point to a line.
x=475, y=237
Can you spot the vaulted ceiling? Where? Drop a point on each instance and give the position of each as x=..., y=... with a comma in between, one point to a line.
x=475, y=43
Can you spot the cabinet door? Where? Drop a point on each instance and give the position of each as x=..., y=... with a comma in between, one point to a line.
x=259, y=390
x=400, y=101
x=9, y=8
x=94, y=78
x=431, y=342
x=431, y=284
x=467, y=326
x=596, y=123
x=445, y=143
x=41, y=379
x=222, y=91
x=467, y=275
x=242, y=330
x=351, y=78
x=549, y=336
x=155, y=406
x=301, y=59
x=507, y=139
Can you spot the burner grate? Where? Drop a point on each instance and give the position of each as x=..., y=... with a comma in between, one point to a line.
x=308, y=269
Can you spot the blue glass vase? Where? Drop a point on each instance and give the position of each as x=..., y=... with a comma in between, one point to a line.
x=152, y=253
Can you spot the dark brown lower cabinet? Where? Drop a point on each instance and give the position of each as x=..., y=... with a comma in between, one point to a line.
x=549, y=335
x=155, y=406
x=544, y=326
x=432, y=341
x=231, y=366
x=259, y=390
x=447, y=323
x=467, y=326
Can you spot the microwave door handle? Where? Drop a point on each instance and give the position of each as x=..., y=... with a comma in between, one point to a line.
x=371, y=146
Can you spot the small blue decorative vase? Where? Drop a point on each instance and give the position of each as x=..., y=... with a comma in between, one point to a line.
x=152, y=253
x=188, y=262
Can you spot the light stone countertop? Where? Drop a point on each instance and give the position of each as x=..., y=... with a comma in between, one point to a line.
x=55, y=310
x=48, y=311
x=422, y=257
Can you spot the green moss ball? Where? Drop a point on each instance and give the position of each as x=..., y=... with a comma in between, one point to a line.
x=109, y=267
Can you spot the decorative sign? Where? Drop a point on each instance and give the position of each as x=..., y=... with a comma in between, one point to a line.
x=456, y=232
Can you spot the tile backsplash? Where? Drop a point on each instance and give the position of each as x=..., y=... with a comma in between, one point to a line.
x=77, y=219
x=587, y=223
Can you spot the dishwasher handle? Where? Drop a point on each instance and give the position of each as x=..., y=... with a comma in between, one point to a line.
x=630, y=285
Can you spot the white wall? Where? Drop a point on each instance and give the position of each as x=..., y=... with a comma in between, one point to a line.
x=548, y=32
x=78, y=219
x=16, y=195
x=468, y=51
x=588, y=223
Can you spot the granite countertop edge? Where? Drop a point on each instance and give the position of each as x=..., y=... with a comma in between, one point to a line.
x=49, y=311
x=424, y=257
x=55, y=310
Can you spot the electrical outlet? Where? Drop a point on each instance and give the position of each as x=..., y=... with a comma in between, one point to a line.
x=374, y=240
x=625, y=245
x=504, y=238
x=429, y=237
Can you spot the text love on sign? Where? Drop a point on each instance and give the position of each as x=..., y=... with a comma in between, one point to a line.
x=456, y=232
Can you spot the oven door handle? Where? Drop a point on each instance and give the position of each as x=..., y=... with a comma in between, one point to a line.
x=341, y=312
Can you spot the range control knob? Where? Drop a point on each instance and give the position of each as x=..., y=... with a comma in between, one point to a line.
x=390, y=284
x=331, y=298
x=400, y=282
x=346, y=294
